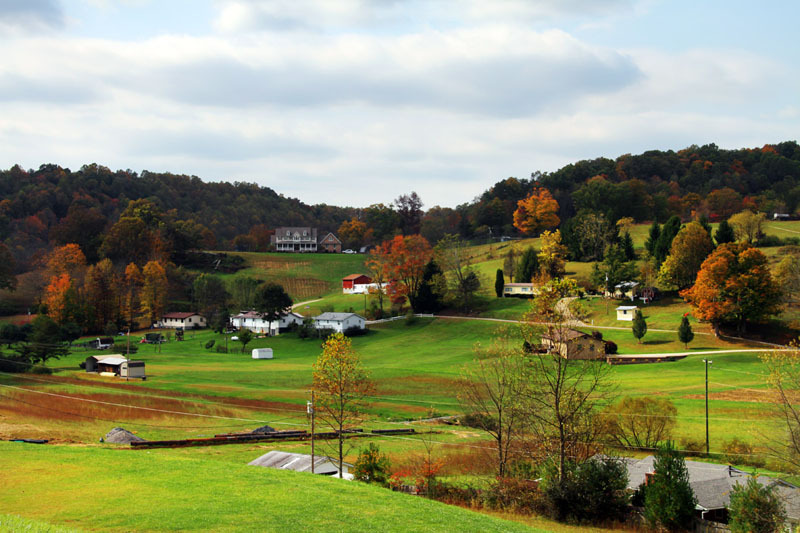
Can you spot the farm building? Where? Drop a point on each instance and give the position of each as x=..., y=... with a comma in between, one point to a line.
x=626, y=312
x=330, y=243
x=255, y=322
x=573, y=344
x=183, y=320
x=302, y=463
x=712, y=485
x=262, y=353
x=294, y=239
x=339, y=322
x=519, y=290
x=356, y=284
x=116, y=365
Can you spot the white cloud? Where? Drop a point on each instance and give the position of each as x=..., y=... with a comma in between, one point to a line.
x=27, y=15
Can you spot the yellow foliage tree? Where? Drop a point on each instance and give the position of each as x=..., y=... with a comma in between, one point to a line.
x=537, y=212
x=154, y=290
x=552, y=256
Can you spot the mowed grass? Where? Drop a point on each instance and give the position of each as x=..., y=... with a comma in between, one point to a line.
x=144, y=491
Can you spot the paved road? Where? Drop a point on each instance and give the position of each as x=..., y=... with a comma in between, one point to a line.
x=295, y=306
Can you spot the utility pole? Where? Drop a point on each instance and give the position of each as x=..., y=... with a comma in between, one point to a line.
x=128, y=354
x=311, y=411
x=707, y=362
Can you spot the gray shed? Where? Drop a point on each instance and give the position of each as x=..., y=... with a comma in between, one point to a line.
x=301, y=463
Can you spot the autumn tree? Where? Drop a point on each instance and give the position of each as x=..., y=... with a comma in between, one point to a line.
x=491, y=388
x=8, y=280
x=747, y=226
x=537, y=212
x=341, y=385
x=243, y=292
x=131, y=295
x=128, y=241
x=552, y=255
x=734, y=285
x=59, y=298
x=379, y=268
x=787, y=276
x=784, y=380
x=67, y=259
x=562, y=395
x=102, y=294
x=403, y=259
x=354, y=233
x=640, y=421
x=154, y=291
x=756, y=508
x=689, y=249
x=83, y=226
x=722, y=203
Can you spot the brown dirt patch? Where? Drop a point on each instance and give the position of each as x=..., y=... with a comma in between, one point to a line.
x=278, y=264
x=749, y=395
x=306, y=288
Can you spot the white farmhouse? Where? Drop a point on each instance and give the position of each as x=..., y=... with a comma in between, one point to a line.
x=256, y=323
x=339, y=322
x=182, y=320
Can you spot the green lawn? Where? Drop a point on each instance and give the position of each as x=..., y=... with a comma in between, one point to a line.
x=125, y=490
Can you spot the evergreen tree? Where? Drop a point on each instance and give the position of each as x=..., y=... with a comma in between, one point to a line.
x=685, y=333
x=499, y=283
x=703, y=221
x=664, y=242
x=668, y=498
x=627, y=246
x=528, y=266
x=652, y=239
x=756, y=508
x=639, y=326
x=724, y=233
x=429, y=300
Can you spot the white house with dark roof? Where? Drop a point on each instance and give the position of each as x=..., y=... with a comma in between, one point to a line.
x=255, y=322
x=182, y=320
x=339, y=322
x=295, y=239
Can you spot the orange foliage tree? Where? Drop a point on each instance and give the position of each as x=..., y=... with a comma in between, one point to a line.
x=734, y=285
x=57, y=295
x=354, y=233
x=537, y=212
x=67, y=259
x=403, y=259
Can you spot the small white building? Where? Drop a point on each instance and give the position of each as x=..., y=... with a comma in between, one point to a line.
x=302, y=463
x=520, y=290
x=182, y=320
x=256, y=322
x=339, y=322
x=262, y=353
x=626, y=312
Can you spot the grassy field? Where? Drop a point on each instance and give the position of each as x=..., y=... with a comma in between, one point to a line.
x=140, y=491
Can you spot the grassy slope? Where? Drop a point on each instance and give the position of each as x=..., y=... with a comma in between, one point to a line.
x=125, y=490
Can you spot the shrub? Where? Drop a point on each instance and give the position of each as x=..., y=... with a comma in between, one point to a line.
x=209, y=344
x=478, y=421
x=739, y=452
x=411, y=318
x=38, y=369
x=518, y=495
x=611, y=347
x=221, y=349
x=693, y=447
x=640, y=421
x=372, y=466
x=355, y=331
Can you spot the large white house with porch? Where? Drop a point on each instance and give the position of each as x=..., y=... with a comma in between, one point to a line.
x=339, y=322
x=255, y=322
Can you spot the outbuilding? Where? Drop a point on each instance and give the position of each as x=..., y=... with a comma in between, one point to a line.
x=355, y=284
x=115, y=365
x=262, y=353
x=573, y=344
x=339, y=322
x=302, y=463
x=626, y=312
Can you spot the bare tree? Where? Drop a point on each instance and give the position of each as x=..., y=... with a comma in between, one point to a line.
x=453, y=255
x=784, y=379
x=490, y=389
x=640, y=422
x=562, y=395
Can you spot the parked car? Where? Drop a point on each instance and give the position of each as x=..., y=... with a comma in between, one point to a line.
x=348, y=251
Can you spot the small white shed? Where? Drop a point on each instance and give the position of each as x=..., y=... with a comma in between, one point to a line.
x=262, y=353
x=626, y=312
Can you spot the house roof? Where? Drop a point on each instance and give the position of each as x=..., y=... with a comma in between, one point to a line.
x=518, y=285
x=627, y=308
x=247, y=314
x=293, y=461
x=179, y=316
x=353, y=277
x=335, y=238
x=713, y=483
x=626, y=285
x=336, y=317
x=565, y=335
x=114, y=359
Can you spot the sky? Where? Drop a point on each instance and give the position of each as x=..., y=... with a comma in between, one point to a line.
x=356, y=102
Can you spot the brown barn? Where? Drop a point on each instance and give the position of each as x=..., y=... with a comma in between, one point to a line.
x=573, y=344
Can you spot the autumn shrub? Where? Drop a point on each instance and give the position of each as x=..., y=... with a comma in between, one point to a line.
x=478, y=421
x=372, y=466
x=610, y=347
x=516, y=495
x=692, y=447
x=740, y=452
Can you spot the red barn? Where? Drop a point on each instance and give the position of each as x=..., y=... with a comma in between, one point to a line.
x=355, y=283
